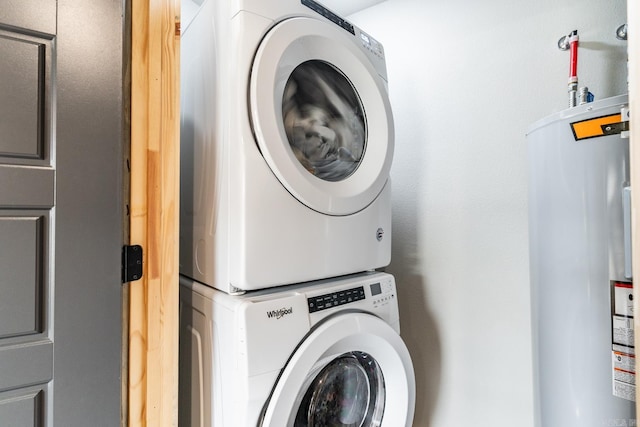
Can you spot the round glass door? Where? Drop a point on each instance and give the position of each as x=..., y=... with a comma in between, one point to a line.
x=347, y=392
x=352, y=370
x=324, y=120
x=321, y=116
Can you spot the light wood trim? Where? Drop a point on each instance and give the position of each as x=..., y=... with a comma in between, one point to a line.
x=154, y=204
x=633, y=21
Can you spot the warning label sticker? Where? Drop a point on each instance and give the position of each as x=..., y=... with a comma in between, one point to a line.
x=623, y=330
x=623, y=299
x=624, y=366
x=594, y=127
x=623, y=360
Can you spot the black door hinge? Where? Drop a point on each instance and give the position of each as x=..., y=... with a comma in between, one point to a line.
x=131, y=263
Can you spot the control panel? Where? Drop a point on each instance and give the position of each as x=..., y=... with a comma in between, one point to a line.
x=382, y=293
x=334, y=299
x=371, y=44
x=378, y=294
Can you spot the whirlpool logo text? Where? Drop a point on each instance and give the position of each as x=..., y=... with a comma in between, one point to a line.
x=279, y=314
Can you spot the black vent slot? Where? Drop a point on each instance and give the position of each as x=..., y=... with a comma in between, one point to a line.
x=317, y=7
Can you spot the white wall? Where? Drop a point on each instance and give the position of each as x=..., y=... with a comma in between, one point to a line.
x=466, y=79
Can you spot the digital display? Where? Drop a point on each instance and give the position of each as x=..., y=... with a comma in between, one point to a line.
x=375, y=289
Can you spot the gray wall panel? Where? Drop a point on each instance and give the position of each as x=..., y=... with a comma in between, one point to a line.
x=21, y=14
x=27, y=194
x=21, y=90
x=26, y=187
x=22, y=410
x=20, y=275
x=89, y=206
x=81, y=296
x=25, y=363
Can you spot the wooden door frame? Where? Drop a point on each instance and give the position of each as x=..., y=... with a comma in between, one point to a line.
x=154, y=212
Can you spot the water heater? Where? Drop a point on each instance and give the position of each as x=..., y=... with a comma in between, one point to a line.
x=581, y=289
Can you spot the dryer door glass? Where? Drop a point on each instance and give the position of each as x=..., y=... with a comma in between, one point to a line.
x=320, y=115
x=347, y=392
x=324, y=120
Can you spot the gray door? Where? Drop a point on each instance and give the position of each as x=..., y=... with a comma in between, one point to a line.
x=61, y=215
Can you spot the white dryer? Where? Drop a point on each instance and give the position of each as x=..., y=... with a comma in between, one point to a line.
x=322, y=354
x=287, y=140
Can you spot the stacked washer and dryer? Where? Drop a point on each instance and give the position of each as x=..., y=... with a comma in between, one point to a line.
x=286, y=145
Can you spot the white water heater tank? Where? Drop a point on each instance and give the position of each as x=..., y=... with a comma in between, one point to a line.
x=584, y=361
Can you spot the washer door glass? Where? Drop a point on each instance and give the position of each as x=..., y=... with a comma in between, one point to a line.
x=324, y=120
x=347, y=392
x=350, y=370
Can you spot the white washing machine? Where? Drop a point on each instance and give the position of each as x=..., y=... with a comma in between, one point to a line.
x=327, y=353
x=287, y=140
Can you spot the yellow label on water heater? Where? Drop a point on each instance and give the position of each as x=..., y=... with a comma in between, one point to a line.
x=593, y=128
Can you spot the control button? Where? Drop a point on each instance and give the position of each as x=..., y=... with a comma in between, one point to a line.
x=335, y=299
